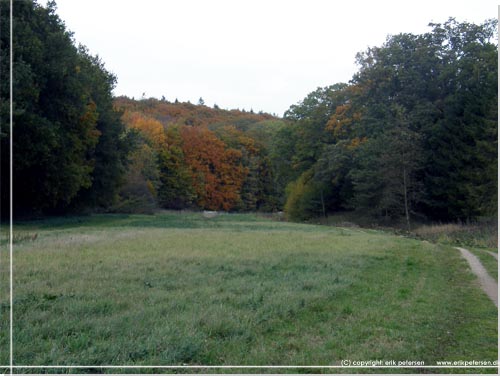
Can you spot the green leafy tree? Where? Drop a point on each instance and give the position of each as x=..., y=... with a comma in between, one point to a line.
x=461, y=172
x=54, y=117
x=299, y=145
x=333, y=170
x=176, y=187
x=306, y=197
x=281, y=155
x=385, y=177
x=69, y=146
x=111, y=155
x=311, y=116
x=445, y=81
x=138, y=194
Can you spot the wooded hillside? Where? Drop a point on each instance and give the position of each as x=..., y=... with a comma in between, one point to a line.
x=413, y=135
x=193, y=156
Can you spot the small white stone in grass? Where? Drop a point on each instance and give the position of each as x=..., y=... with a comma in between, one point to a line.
x=209, y=214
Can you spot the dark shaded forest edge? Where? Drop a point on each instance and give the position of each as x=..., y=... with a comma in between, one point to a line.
x=409, y=142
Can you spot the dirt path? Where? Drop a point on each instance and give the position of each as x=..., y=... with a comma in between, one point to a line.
x=488, y=284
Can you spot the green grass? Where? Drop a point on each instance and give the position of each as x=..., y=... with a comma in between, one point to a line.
x=489, y=262
x=173, y=289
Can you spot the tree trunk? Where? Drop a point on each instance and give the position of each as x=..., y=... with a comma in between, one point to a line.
x=405, y=188
x=323, y=204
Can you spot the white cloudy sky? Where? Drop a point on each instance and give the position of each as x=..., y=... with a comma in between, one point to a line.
x=259, y=54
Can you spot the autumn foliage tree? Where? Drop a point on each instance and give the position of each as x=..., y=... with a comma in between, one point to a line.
x=151, y=129
x=205, y=158
x=217, y=173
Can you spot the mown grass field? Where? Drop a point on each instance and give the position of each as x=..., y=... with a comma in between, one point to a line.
x=176, y=288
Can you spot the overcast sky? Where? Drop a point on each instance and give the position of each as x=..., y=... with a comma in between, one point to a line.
x=259, y=54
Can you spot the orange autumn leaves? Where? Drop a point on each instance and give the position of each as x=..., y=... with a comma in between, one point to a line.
x=217, y=172
x=150, y=128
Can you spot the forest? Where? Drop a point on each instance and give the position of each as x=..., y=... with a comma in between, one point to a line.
x=412, y=136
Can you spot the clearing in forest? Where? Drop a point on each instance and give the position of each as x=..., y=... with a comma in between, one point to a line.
x=237, y=289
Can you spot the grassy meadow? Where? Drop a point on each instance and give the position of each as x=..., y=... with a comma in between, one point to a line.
x=180, y=289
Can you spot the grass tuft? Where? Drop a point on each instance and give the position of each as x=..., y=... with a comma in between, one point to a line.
x=467, y=234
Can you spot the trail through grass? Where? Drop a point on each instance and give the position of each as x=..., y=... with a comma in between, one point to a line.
x=489, y=261
x=176, y=289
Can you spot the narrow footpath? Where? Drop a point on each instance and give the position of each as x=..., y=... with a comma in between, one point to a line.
x=488, y=284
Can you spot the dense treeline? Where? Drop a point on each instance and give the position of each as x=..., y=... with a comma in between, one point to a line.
x=193, y=156
x=70, y=146
x=412, y=135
